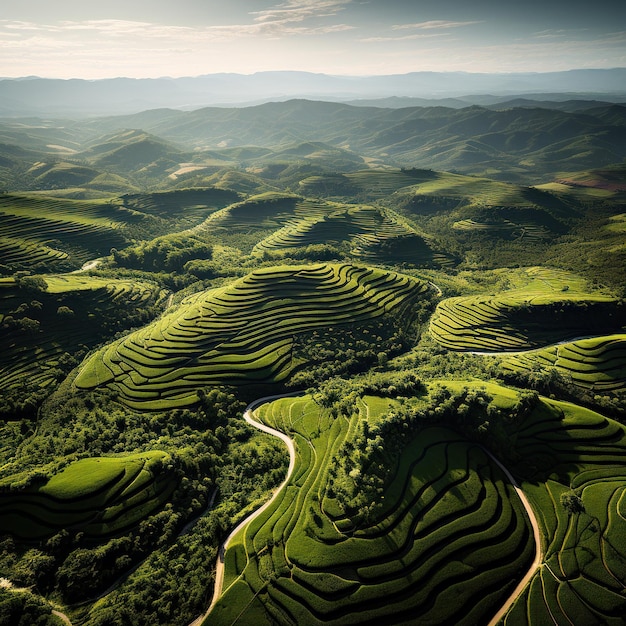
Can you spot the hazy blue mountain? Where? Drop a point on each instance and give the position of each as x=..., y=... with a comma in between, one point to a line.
x=37, y=96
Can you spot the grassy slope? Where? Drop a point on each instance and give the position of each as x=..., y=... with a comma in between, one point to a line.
x=550, y=307
x=101, y=496
x=242, y=333
x=294, y=563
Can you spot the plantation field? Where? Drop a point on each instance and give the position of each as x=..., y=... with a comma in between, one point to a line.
x=35, y=224
x=597, y=364
x=41, y=329
x=372, y=234
x=100, y=496
x=243, y=333
x=551, y=306
x=38, y=229
x=445, y=544
x=573, y=455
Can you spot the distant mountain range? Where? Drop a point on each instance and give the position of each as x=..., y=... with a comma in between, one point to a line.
x=51, y=97
x=516, y=141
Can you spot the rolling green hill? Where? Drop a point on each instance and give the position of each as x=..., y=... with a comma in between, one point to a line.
x=244, y=334
x=100, y=496
x=548, y=309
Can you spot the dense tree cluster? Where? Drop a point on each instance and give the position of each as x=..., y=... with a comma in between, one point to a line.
x=365, y=464
x=167, y=253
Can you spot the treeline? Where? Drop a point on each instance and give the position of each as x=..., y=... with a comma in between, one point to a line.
x=367, y=463
x=215, y=455
x=167, y=253
x=342, y=350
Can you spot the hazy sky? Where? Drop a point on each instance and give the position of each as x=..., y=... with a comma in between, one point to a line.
x=150, y=38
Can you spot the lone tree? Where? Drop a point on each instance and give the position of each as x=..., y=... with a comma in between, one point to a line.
x=572, y=503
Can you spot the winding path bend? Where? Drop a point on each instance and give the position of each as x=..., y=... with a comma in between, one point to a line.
x=219, y=572
x=537, y=537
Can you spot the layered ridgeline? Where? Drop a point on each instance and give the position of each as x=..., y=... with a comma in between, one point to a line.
x=46, y=233
x=547, y=307
x=245, y=333
x=395, y=513
x=100, y=496
x=596, y=364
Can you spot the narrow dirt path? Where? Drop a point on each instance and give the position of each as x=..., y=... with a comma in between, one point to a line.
x=62, y=617
x=219, y=572
x=537, y=537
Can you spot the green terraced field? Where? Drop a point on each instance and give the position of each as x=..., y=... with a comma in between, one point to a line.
x=31, y=352
x=243, y=333
x=597, y=364
x=90, y=225
x=446, y=545
x=19, y=254
x=100, y=496
x=373, y=234
x=565, y=449
x=503, y=228
x=543, y=311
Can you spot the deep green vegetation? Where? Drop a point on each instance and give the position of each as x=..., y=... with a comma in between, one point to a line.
x=427, y=323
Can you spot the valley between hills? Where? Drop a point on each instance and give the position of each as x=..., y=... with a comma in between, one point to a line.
x=314, y=363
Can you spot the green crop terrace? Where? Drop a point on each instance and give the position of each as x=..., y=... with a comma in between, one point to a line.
x=445, y=545
x=542, y=312
x=374, y=235
x=242, y=333
x=100, y=496
x=597, y=364
x=572, y=461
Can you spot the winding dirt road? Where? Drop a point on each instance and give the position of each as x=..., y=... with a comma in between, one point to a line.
x=536, y=535
x=219, y=572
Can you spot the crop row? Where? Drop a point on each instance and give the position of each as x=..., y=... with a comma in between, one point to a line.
x=450, y=527
x=101, y=496
x=598, y=364
x=521, y=321
x=19, y=253
x=242, y=333
x=575, y=460
x=504, y=228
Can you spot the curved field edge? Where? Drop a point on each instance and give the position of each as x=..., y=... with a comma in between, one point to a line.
x=243, y=333
x=571, y=463
x=596, y=364
x=100, y=496
x=294, y=563
x=551, y=306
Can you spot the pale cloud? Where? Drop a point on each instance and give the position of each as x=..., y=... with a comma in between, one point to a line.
x=300, y=10
x=412, y=37
x=433, y=25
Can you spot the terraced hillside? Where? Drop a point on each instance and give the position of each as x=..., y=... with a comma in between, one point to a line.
x=544, y=311
x=373, y=235
x=597, y=364
x=244, y=333
x=444, y=542
x=99, y=496
x=35, y=224
x=573, y=460
x=39, y=230
x=42, y=325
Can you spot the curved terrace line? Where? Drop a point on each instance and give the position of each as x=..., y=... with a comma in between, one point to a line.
x=219, y=572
